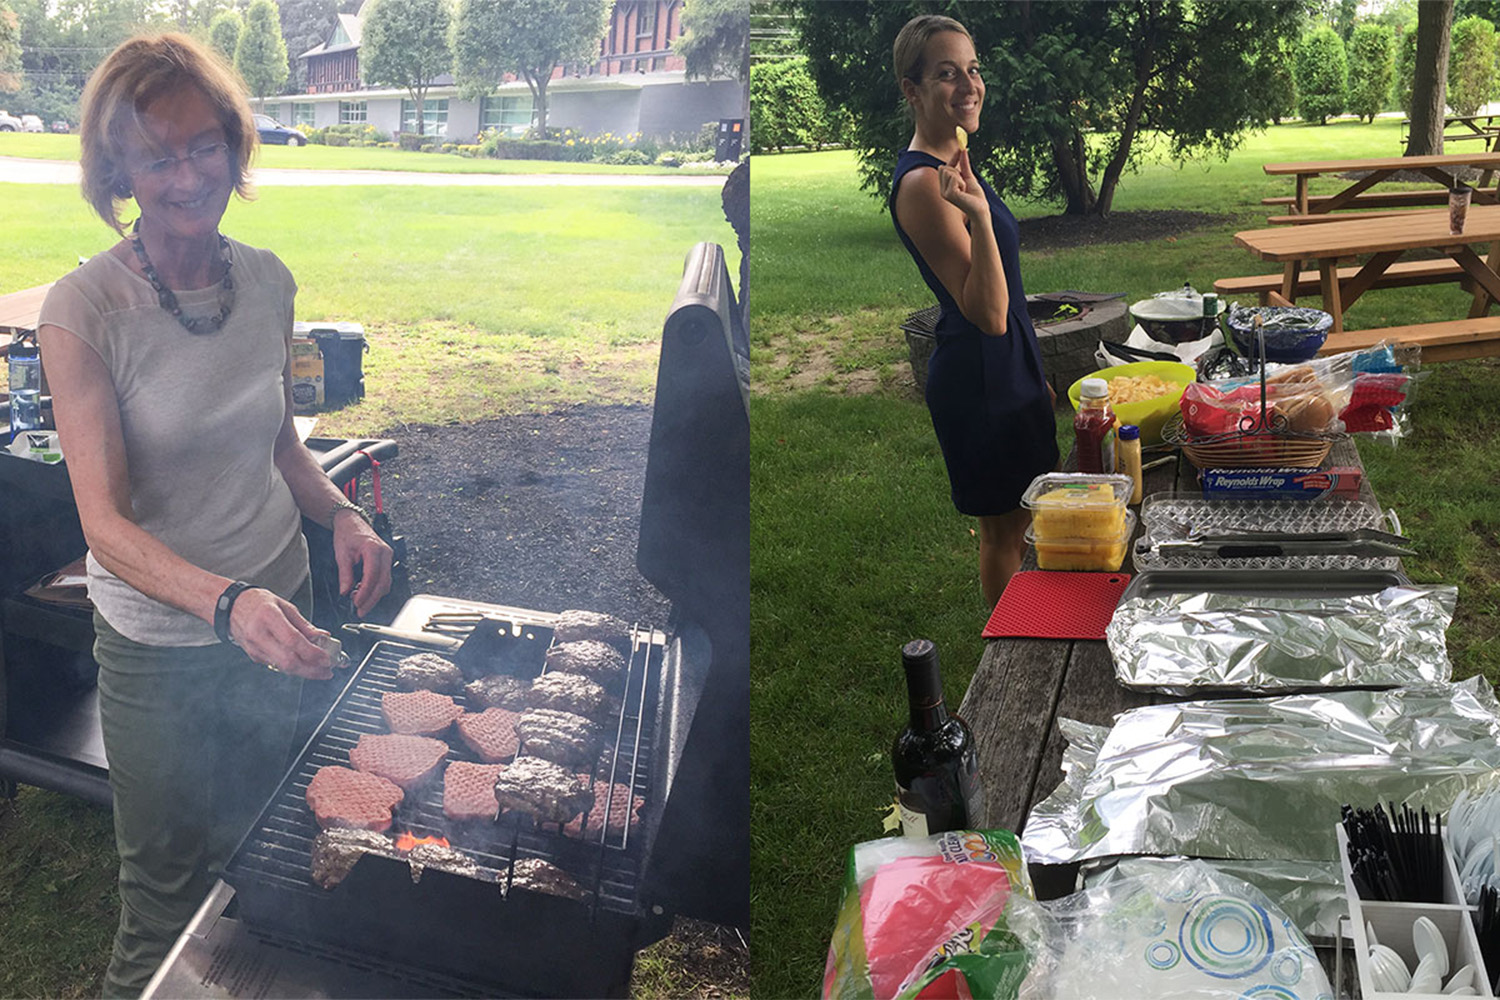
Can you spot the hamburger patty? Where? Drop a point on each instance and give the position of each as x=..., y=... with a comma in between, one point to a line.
x=620, y=803
x=551, y=793
x=491, y=734
x=574, y=625
x=469, y=790
x=561, y=737
x=498, y=691
x=341, y=797
x=569, y=693
x=598, y=660
x=428, y=671
x=406, y=760
x=335, y=851
x=536, y=875
x=418, y=713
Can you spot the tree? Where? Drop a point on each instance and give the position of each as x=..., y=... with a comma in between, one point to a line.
x=1322, y=76
x=10, y=50
x=405, y=44
x=304, y=24
x=1406, y=69
x=1471, y=65
x=1429, y=87
x=1069, y=85
x=224, y=33
x=260, y=55
x=715, y=40
x=1344, y=19
x=1275, y=81
x=1372, y=66
x=785, y=106
x=526, y=38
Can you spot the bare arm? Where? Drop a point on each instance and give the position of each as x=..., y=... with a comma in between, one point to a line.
x=932, y=208
x=87, y=413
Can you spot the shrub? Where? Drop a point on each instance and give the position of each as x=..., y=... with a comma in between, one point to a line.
x=1372, y=67
x=449, y=147
x=1322, y=75
x=465, y=149
x=410, y=141
x=625, y=157
x=314, y=135
x=336, y=139
x=387, y=145
x=1406, y=69
x=1471, y=65
x=669, y=159
x=786, y=107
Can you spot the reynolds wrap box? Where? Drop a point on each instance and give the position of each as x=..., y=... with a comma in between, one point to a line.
x=307, y=375
x=1280, y=484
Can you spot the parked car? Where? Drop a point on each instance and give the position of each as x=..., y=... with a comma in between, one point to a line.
x=60, y=126
x=8, y=123
x=31, y=123
x=276, y=134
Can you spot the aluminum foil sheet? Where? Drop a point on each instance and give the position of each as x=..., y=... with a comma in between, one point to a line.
x=1260, y=778
x=1310, y=893
x=1178, y=642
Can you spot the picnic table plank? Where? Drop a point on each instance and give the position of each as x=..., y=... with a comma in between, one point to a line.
x=1392, y=163
x=19, y=309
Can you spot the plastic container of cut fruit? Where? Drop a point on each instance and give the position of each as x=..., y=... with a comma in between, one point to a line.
x=1071, y=505
x=1100, y=555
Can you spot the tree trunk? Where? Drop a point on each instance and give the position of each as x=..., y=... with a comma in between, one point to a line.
x=1073, y=171
x=538, y=84
x=1145, y=58
x=1429, y=92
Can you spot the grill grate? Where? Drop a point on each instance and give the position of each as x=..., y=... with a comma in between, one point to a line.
x=277, y=855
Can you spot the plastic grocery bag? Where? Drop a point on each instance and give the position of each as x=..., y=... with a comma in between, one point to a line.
x=927, y=917
x=1174, y=933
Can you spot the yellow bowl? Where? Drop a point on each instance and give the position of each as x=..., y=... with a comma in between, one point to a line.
x=1149, y=414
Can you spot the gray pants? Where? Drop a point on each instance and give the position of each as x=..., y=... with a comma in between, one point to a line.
x=197, y=739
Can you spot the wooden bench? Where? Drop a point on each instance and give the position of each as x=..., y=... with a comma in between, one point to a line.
x=1302, y=220
x=1398, y=275
x=1380, y=199
x=1451, y=340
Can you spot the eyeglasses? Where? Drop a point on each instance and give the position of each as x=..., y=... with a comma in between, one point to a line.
x=204, y=159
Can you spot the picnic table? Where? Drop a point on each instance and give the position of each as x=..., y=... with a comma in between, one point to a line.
x=1386, y=240
x=1473, y=127
x=1022, y=687
x=19, y=310
x=1440, y=168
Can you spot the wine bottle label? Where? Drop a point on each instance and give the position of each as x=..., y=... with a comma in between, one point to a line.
x=913, y=822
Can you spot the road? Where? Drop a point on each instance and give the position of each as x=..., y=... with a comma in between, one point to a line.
x=17, y=170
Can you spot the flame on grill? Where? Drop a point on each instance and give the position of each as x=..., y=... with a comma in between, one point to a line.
x=406, y=841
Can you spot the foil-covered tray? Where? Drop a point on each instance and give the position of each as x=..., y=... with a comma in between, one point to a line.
x=1261, y=777
x=1276, y=631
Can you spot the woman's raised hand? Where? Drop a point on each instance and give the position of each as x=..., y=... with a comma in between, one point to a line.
x=959, y=187
x=271, y=631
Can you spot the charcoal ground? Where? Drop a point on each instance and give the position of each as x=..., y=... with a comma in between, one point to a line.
x=542, y=511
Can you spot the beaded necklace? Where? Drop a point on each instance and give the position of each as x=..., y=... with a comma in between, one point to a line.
x=206, y=324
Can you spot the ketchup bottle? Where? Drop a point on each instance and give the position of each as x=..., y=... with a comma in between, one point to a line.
x=1094, y=428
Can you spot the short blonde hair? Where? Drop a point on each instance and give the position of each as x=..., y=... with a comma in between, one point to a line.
x=906, y=54
x=130, y=78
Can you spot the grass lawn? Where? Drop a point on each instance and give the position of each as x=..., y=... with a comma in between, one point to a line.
x=856, y=547
x=476, y=302
x=44, y=146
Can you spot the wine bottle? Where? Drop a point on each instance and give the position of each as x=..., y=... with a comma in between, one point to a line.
x=937, y=767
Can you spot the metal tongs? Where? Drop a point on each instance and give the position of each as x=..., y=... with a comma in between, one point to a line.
x=1365, y=542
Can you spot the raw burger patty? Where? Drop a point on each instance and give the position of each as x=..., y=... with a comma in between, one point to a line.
x=347, y=798
x=561, y=737
x=418, y=713
x=491, y=734
x=621, y=804
x=568, y=693
x=598, y=660
x=574, y=625
x=428, y=671
x=469, y=790
x=406, y=760
x=498, y=691
x=551, y=793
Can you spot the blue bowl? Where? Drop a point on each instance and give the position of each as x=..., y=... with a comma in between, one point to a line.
x=1293, y=333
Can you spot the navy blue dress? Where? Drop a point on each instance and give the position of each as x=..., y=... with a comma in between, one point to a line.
x=987, y=395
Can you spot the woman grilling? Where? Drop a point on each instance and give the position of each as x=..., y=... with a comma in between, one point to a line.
x=168, y=358
x=990, y=402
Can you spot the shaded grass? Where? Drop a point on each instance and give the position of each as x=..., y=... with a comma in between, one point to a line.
x=476, y=302
x=856, y=547
x=45, y=146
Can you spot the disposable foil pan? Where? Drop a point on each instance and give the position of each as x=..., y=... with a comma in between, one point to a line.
x=1276, y=631
x=1260, y=778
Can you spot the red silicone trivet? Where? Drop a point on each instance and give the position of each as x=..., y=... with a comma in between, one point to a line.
x=1042, y=604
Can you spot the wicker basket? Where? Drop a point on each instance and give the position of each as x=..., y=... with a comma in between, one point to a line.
x=1251, y=450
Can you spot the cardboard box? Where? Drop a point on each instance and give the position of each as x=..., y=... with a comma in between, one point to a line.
x=1281, y=484
x=307, y=376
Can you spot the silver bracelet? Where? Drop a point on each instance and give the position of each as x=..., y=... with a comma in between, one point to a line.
x=342, y=504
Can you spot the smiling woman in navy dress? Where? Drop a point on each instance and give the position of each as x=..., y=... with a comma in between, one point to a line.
x=990, y=402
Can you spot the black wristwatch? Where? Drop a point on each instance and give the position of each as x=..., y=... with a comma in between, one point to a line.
x=223, y=606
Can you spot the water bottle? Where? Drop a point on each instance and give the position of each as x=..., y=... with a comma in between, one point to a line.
x=25, y=364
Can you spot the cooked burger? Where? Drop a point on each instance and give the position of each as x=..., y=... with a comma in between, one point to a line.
x=598, y=660
x=561, y=737
x=491, y=734
x=428, y=671
x=343, y=797
x=335, y=851
x=418, y=713
x=437, y=856
x=569, y=693
x=406, y=760
x=574, y=625
x=536, y=875
x=551, y=793
x=498, y=691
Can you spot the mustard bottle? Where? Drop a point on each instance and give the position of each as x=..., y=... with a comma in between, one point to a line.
x=1130, y=458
